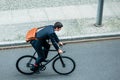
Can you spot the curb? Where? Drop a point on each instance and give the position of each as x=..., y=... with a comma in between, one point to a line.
x=67, y=40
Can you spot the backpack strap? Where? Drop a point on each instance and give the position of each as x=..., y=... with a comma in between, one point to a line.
x=41, y=27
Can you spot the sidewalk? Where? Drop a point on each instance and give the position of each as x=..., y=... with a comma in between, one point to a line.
x=78, y=22
x=56, y=13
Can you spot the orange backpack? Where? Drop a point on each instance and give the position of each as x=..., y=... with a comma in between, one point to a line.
x=31, y=34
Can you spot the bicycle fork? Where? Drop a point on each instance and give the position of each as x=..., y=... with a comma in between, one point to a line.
x=62, y=62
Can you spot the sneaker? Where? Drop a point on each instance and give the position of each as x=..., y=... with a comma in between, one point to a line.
x=34, y=68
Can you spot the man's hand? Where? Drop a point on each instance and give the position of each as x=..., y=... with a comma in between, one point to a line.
x=60, y=44
x=60, y=51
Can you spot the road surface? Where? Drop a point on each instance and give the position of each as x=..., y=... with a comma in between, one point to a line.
x=99, y=60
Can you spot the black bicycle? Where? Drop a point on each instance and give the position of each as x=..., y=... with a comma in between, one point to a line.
x=61, y=64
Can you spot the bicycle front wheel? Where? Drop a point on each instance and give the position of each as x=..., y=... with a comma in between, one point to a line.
x=64, y=65
x=24, y=64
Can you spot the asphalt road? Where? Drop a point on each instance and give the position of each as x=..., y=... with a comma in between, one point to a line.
x=98, y=60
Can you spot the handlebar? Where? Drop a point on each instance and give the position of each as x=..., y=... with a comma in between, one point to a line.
x=60, y=47
x=64, y=51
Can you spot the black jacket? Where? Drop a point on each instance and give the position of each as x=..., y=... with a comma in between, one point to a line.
x=48, y=33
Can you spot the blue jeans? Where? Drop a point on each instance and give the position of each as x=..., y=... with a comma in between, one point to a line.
x=42, y=47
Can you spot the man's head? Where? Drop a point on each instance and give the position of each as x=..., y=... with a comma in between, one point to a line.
x=58, y=26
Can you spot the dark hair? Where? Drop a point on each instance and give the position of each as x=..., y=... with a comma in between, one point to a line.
x=58, y=25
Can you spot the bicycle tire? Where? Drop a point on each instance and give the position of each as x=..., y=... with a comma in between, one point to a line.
x=63, y=70
x=22, y=60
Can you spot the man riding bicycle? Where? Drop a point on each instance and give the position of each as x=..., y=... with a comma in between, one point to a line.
x=41, y=45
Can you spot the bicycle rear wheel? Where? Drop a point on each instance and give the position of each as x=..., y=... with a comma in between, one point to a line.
x=64, y=67
x=24, y=64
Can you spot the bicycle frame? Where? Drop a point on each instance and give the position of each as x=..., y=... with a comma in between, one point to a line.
x=51, y=58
